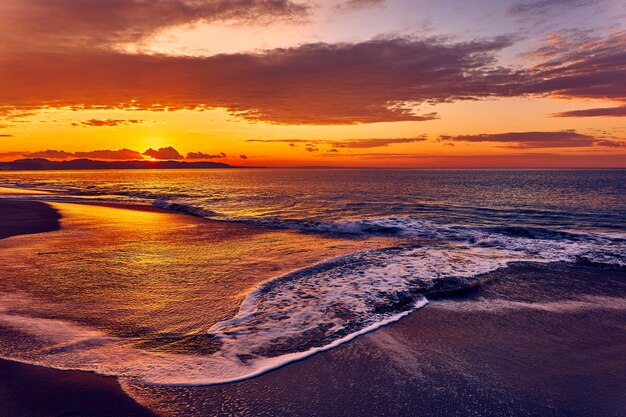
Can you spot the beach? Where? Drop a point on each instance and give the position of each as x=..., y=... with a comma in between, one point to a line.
x=26, y=217
x=510, y=354
x=531, y=339
x=303, y=208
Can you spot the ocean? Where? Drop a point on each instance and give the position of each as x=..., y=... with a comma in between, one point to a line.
x=297, y=261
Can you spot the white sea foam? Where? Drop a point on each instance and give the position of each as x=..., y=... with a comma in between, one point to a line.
x=63, y=345
x=315, y=308
x=301, y=313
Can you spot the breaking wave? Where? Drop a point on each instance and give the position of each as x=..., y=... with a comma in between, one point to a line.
x=311, y=309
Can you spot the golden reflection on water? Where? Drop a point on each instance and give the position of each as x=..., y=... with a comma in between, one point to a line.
x=150, y=274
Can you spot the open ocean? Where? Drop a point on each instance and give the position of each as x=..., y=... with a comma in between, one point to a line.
x=434, y=230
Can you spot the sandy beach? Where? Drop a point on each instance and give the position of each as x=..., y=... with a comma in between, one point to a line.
x=26, y=217
x=526, y=342
x=28, y=390
x=502, y=350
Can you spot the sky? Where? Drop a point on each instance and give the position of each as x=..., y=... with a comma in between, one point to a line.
x=369, y=83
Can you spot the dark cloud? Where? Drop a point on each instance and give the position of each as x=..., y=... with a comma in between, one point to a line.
x=577, y=64
x=6, y=135
x=360, y=4
x=243, y=156
x=382, y=80
x=597, y=112
x=311, y=148
x=375, y=81
x=163, y=153
x=11, y=155
x=202, y=155
x=122, y=154
x=611, y=143
x=344, y=143
x=543, y=7
x=168, y=153
x=50, y=153
x=63, y=24
x=107, y=122
x=373, y=143
x=528, y=140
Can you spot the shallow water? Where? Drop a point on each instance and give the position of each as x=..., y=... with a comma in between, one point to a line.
x=173, y=299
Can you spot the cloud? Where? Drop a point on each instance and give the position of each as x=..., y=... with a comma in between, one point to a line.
x=611, y=143
x=311, y=148
x=202, y=155
x=597, y=112
x=543, y=7
x=101, y=24
x=360, y=4
x=163, y=153
x=529, y=140
x=381, y=80
x=579, y=64
x=107, y=122
x=373, y=143
x=243, y=156
x=4, y=156
x=6, y=135
x=122, y=154
x=344, y=143
x=168, y=153
x=50, y=153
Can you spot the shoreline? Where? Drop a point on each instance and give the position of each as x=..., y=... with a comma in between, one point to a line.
x=58, y=392
x=378, y=357
x=23, y=217
x=505, y=350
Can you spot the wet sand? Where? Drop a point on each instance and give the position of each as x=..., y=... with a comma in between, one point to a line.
x=27, y=390
x=26, y=217
x=533, y=340
x=536, y=340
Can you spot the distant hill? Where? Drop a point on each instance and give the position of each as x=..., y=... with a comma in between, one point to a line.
x=40, y=164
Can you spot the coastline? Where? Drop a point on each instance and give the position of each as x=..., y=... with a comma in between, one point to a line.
x=31, y=390
x=491, y=351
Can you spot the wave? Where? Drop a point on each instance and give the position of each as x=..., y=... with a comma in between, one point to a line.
x=403, y=226
x=312, y=309
x=295, y=315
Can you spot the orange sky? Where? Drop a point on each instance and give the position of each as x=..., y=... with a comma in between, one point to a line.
x=295, y=83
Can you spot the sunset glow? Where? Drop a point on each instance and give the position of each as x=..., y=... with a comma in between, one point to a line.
x=290, y=83
x=312, y=208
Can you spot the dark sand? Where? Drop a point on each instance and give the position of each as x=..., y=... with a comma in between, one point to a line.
x=27, y=390
x=537, y=340
x=534, y=340
x=25, y=217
